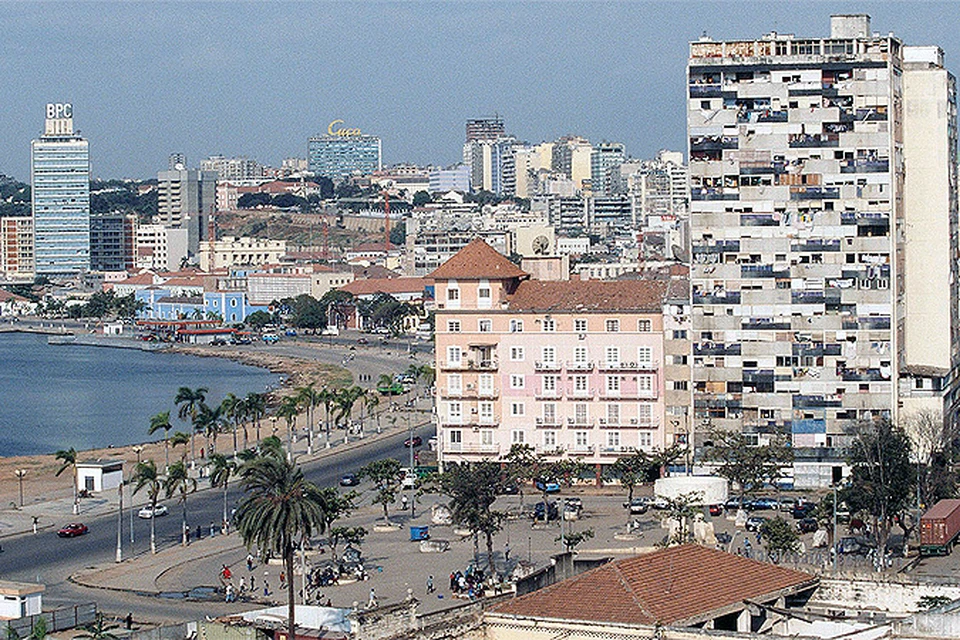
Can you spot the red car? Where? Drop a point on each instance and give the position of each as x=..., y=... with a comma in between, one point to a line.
x=72, y=530
x=716, y=510
x=415, y=441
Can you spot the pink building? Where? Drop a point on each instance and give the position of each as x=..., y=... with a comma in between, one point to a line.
x=570, y=368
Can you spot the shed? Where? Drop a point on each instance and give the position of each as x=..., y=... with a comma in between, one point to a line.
x=99, y=475
x=20, y=599
x=113, y=328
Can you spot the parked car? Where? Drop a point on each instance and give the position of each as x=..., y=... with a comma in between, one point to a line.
x=244, y=340
x=415, y=441
x=715, y=510
x=763, y=504
x=755, y=523
x=271, y=338
x=788, y=503
x=659, y=502
x=803, y=510
x=807, y=525
x=855, y=546
x=146, y=513
x=72, y=530
x=290, y=332
x=349, y=480
x=549, y=486
x=362, y=340
x=550, y=508
x=637, y=506
x=724, y=538
x=218, y=342
x=510, y=489
x=733, y=503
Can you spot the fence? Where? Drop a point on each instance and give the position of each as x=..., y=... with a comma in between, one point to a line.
x=57, y=620
x=168, y=632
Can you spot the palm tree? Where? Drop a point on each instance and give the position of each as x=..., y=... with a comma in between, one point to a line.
x=223, y=469
x=145, y=475
x=162, y=421
x=232, y=408
x=179, y=437
x=370, y=401
x=307, y=397
x=189, y=400
x=209, y=422
x=256, y=409
x=68, y=459
x=327, y=397
x=280, y=509
x=289, y=410
x=346, y=399
x=179, y=481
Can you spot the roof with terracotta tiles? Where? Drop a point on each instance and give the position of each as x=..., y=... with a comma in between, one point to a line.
x=476, y=261
x=589, y=295
x=670, y=586
x=7, y=296
x=370, y=286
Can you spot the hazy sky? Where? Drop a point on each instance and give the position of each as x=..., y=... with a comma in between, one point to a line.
x=258, y=78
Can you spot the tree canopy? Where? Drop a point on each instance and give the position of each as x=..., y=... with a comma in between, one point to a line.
x=744, y=464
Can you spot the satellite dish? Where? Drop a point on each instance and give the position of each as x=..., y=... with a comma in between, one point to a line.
x=540, y=245
x=678, y=254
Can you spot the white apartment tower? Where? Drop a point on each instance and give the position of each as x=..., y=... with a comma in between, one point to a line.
x=823, y=231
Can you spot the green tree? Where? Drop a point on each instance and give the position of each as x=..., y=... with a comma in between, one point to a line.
x=279, y=509
x=472, y=489
x=349, y=535
x=421, y=198
x=289, y=410
x=254, y=200
x=234, y=409
x=39, y=629
x=882, y=478
x=630, y=471
x=563, y=472
x=256, y=409
x=145, y=476
x=188, y=402
x=780, y=537
x=12, y=633
x=258, y=320
x=683, y=509
x=223, y=469
x=306, y=312
x=178, y=481
x=180, y=438
x=68, y=460
x=744, y=464
x=98, y=630
x=161, y=421
x=572, y=540
x=385, y=476
x=308, y=398
x=209, y=421
x=520, y=467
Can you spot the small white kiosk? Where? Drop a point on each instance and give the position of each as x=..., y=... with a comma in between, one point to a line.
x=20, y=599
x=100, y=475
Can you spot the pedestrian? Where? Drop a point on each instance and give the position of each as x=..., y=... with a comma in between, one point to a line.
x=403, y=502
x=213, y=530
x=253, y=585
x=243, y=584
x=266, y=589
x=227, y=574
x=506, y=552
x=283, y=579
x=430, y=588
x=199, y=532
x=249, y=562
x=453, y=581
x=373, y=599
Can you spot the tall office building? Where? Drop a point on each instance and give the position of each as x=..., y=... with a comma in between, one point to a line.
x=486, y=128
x=605, y=158
x=186, y=199
x=113, y=240
x=60, y=177
x=823, y=227
x=233, y=169
x=343, y=153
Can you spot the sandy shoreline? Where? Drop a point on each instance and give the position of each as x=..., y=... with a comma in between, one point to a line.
x=40, y=483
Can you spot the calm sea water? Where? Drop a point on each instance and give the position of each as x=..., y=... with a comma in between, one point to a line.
x=56, y=397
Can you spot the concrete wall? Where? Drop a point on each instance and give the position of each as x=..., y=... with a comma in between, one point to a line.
x=893, y=596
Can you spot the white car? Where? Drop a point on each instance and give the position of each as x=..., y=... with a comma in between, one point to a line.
x=146, y=513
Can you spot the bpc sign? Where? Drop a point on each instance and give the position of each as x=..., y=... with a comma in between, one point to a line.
x=59, y=110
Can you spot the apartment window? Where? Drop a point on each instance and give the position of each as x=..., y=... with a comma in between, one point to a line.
x=453, y=326
x=455, y=439
x=580, y=355
x=613, y=385
x=645, y=383
x=612, y=326
x=455, y=412
x=483, y=293
x=612, y=356
x=580, y=325
x=516, y=354
x=549, y=413
x=580, y=415
x=486, y=437
x=453, y=294
x=517, y=409
x=549, y=384
x=644, y=326
x=645, y=356
x=550, y=439
x=680, y=334
x=613, y=413
x=549, y=325
x=644, y=412
x=517, y=436
x=485, y=326
x=516, y=381
x=549, y=355
x=485, y=382
x=580, y=384
x=581, y=439
x=455, y=384
x=486, y=412
x=613, y=439
x=646, y=439
x=516, y=326
x=454, y=356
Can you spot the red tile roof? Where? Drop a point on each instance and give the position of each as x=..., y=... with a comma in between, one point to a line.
x=589, y=295
x=475, y=261
x=6, y=296
x=371, y=286
x=677, y=585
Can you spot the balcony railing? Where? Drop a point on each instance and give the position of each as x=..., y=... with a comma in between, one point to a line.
x=549, y=422
x=580, y=423
x=626, y=366
x=484, y=449
x=547, y=365
x=548, y=394
x=578, y=365
x=580, y=450
x=582, y=394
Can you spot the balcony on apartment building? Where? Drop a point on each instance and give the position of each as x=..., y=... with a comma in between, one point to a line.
x=469, y=364
x=648, y=422
x=628, y=394
x=472, y=448
x=549, y=394
x=579, y=365
x=547, y=365
x=623, y=365
x=580, y=423
x=470, y=391
x=547, y=421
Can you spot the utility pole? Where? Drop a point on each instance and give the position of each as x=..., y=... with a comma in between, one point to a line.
x=413, y=507
x=120, y=523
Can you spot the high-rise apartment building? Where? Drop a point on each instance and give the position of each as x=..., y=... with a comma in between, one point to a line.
x=113, y=240
x=60, y=179
x=233, y=169
x=16, y=248
x=487, y=128
x=343, y=153
x=571, y=157
x=186, y=199
x=605, y=158
x=823, y=231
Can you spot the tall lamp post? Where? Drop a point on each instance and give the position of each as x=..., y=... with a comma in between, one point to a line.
x=413, y=503
x=120, y=523
x=137, y=450
x=20, y=473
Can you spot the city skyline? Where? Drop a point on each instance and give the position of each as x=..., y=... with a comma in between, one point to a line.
x=147, y=80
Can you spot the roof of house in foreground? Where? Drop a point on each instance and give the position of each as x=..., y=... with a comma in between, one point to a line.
x=670, y=586
x=588, y=295
x=476, y=261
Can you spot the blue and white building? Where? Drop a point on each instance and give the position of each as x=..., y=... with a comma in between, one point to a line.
x=343, y=153
x=60, y=180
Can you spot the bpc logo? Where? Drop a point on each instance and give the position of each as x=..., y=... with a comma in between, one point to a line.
x=59, y=110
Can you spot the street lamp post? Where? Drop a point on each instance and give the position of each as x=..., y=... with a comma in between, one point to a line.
x=20, y=473
x=137, y=450
x=413, y=507
x=120, y=524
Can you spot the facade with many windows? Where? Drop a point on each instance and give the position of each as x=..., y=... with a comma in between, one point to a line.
x=572, y=369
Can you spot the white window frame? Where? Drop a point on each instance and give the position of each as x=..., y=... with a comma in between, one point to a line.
x=454, y=355
x=645, y=384
x=454, y=384
x=516, y=326
x=549, y=439
x=581, y=385
x=486, y=412
x=516, y=353
x=646, y=439
x=453, y=326
x=485, y=325
x=518, y=436
x=613, y=385
x=518, y=409
x=549, y=385
x=455, y=439
x=549, y=413
x=581, y=413
x=548, y=355
x=581, y=355
x=517, y=381
x=579, y=325
x=611, y=325
x=581, y=440
x=455, y=412
x=485, y=382
x=614, y=414
x=613, y=439
x=611, y=355
x=645, y=356
x=549, y=325
x=486, y=437
x=644, y=325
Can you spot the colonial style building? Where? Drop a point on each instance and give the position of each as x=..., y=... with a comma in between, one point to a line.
x=573, y=369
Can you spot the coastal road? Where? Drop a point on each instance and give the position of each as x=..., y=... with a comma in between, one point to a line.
x=47, y=559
